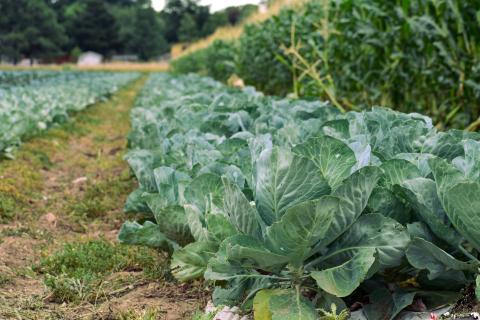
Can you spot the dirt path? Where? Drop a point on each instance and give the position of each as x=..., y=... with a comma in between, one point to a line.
x=68, y=187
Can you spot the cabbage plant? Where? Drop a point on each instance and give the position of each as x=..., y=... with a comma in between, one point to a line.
x=304, y=232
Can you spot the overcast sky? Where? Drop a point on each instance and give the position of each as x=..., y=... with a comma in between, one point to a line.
x=214, y=4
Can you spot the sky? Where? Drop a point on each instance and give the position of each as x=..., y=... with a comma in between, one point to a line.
x=215, y=5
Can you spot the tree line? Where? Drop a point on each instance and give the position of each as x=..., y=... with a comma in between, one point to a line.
x=51, y=29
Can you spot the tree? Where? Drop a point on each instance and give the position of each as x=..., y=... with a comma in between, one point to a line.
x=188, y=29
x=29, y=28
x=147, y=40
x=215, y=20
x=186, y=12
x=125, y=17
x=95, y=29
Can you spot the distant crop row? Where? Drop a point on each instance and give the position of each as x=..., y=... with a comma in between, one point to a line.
x=295, y=205
x=412, y=56
x=32, y=101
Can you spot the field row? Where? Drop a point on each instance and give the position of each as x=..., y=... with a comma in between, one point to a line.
x=258, y=193
x=33, y=101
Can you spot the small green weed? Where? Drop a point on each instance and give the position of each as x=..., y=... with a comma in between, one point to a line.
x=333, y=315
x=24, y=231
x=199, y=315
x=150, y=314
x=8, y=208
x=5, y=279
x=100, y=198
x=75, y=272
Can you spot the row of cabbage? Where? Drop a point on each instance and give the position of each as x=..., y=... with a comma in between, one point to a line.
x=31, y=101
x=293, y=206
x=15, y=78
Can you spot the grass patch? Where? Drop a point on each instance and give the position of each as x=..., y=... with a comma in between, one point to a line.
x=8, y=207
x=77, y=271
x=24, y=231
x=5, y=279
x=20, y=183
x=100, y=197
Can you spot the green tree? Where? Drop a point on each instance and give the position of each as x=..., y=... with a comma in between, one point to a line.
x=125, y=17
x=147, y=40
x=29, y=28
x=95, y=29
x=186, y=12
x=188, y=29
x=214, y=21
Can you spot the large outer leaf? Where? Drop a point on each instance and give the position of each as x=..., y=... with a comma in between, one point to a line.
x=135, y=202
x=239, y=257
x=261, y=303
x=142, y=163
x=446, y=145
x=342, y=280
x=281, y=304
x=462, y=204
x=242, y=214
x=460, y=199
x=420, y=160
x=230, y=294
x=231, y=172
x=353, y=194
x=219, y=227
x=191, y=261
x=284, y=180
x=425, y=255
x=237, y=152
x=206, y=192
x=301, y=228
x=373, y=231
x=166, y=184
x=148, y=234
x=387, y=203
x=171, y=220
x=333, y=158
x=170, y=184
x=445, y=174
x=398, y=170
x=422, y=196
x=249, y=252
x=386, y=306
x=196, y=222
x=469, y=164
x=291, y=305
x=239, y=291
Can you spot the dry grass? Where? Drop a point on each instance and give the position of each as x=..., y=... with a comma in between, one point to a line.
x=109, y=66
x=233, y=32
x=129, y=66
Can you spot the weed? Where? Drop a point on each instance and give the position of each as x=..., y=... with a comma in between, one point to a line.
x=77, y=271
x=24, y=231
x=149, y=314
x=26, y=272
x=332, y=315
x=8, y=208
x=99, y=198
x=5, y=279
x=19, y=184
x=199, y=315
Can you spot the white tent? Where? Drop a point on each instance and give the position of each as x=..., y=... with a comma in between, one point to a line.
x=89, y=58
